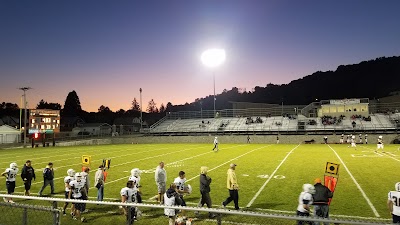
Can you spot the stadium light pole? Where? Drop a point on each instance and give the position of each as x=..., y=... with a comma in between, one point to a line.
x=24, y=89
x=212, y=58
x=141, y=115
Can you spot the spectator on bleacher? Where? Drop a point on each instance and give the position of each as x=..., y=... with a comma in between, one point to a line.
x=248, y=139
x=233, y=187
x=353, y=124
x=321, y=200
x=277, y=139
x=161, y=181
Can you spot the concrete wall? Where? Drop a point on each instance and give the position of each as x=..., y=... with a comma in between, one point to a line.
x=238, y=139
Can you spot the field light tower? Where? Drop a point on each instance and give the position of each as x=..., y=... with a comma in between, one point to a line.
x=141, y=115
x=212, y=58
x=24, y=89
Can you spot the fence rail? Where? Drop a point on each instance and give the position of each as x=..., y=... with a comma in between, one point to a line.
x=153, y=214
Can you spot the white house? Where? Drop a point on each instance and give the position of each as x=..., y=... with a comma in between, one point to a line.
x=98, y=129
x=9, y=135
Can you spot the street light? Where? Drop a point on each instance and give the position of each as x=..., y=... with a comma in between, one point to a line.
x=212, y=58
x=141, y=116
x=24, y=89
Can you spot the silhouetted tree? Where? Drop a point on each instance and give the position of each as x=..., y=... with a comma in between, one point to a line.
x=152, y=107
x=162, y=108
x=44, y=105
x=135, y=105
x=72, y=106
x=103, y=109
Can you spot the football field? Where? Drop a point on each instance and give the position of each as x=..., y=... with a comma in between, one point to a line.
x=270, y=176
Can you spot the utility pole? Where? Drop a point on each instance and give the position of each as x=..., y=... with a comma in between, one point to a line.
x=24, y=89
x=141, y=115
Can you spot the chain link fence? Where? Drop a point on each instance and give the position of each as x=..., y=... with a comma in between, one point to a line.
x=25, y=214
x=43, y=211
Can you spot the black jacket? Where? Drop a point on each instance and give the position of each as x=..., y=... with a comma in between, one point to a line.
x=48, y=173
x=205, y=182
x=322, y=194
x=28, y=173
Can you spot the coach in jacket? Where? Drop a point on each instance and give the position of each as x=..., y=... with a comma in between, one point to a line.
x=48, y=178
x=321, y=200
x=205, y=182
x=27, y=174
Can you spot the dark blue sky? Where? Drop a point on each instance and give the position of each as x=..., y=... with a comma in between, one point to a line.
x=107, y=50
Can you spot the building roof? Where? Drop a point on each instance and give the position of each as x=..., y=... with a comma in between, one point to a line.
x=5, y=129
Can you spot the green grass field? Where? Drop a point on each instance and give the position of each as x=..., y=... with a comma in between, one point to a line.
x=270, y=176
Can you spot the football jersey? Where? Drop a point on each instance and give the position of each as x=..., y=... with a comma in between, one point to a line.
x=394, y=196
x=304, y=199
x=85, y=177
x=136, y=180
x=130, y=193
x=180, y=183
x=68, y=180
x=12, y=174
x=215, y=141
x=76, y=188
x=379, y=141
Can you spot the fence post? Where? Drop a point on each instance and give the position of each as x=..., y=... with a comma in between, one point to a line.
x=25, y=217
x=219, y=219
x=56, y=214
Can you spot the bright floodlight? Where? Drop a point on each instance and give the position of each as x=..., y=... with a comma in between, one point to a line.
x=213, y=57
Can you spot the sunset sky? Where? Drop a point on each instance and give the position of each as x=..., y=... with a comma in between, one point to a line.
x=107, y=50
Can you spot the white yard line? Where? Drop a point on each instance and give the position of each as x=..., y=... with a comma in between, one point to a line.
x=270, y=177
x=383, y=154
x=230, y=160
x=357, y=184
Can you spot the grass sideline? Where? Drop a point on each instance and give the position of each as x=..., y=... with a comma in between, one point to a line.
x=270, y=176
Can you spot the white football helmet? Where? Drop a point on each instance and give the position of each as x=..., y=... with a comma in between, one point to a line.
x=397, y=186
x=71, y=172
x=380, y=137
x=13, y=166
x=135, y=172
x=309, y=188
x=78, y=177
x=189, y=188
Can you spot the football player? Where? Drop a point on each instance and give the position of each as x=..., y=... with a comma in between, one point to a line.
x=67, y=180
x=366, y=138
x=128, y=195
x=394, y=203
x=353, y=142
x=360, y=138
x=305, y=201
x=75, y=193
x=85, y=191
x=380, y=144
x=10, y=174
x=341, y=139
x=135, y=176
x=181, y=188
x=215, y=144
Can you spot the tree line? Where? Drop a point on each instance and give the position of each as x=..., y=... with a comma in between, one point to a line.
x=369, y=79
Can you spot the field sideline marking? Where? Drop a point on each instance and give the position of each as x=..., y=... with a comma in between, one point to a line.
x=383, y=154
x=229, y=161
x=357, y=184
x=272, y=175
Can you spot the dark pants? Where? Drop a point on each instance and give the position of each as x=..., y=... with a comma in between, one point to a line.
x=301, y=222
x=28, y=184
x=45, y=184
x=321, y=211
x=205, y=199
x=139, y=197
x=130, y=216
x=215, y=147
x=10, y=187
x=396, y=219
x=233, y=196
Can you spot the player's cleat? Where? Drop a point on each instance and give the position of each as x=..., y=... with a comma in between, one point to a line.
x=74, y=218
x=83, y=219
x=223, y=206
x=5, y=200
x=11, y=201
